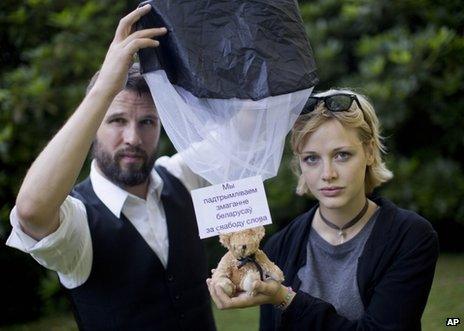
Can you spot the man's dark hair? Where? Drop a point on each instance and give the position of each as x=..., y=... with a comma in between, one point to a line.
x=135, y=82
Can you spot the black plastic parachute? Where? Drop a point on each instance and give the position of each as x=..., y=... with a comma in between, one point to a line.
x=246, y=49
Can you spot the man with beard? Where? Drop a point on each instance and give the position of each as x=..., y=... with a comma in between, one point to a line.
x=124, y=242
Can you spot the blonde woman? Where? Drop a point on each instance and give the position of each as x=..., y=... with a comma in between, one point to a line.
x=353, y=262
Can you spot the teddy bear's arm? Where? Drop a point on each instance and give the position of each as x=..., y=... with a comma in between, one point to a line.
x=269, y=268
x=223, y=269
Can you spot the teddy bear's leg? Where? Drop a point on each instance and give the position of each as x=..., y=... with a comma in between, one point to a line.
x=226, y=284
x=247, y=282
x=221, y=276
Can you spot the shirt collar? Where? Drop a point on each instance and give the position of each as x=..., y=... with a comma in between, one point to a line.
x=115, y=197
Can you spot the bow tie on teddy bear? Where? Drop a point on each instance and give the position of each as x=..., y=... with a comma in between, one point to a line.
x=244, y=263
x=251, y=259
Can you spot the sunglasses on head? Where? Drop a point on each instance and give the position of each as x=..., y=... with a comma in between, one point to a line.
x=334, y=102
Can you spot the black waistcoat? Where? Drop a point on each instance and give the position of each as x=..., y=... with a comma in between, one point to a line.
x=128, y=287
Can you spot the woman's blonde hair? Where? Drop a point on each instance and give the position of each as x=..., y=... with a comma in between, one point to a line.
x=366, y=122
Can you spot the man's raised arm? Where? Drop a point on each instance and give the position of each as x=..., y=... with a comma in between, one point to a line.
x=54, y=172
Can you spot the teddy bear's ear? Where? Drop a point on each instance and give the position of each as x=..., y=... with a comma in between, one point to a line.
x=260, y=232
x=224, y=239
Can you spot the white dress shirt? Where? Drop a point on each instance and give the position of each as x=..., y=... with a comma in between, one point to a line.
x=68, y=250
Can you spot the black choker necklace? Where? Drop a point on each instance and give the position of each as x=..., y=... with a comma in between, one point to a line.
x=341, y=230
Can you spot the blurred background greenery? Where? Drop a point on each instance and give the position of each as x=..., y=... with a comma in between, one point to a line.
x=406, y=55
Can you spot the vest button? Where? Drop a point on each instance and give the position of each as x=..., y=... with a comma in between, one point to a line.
x=182, y=315
x=177, y=297
x=170, y=278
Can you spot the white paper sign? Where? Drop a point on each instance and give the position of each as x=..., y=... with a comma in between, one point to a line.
x=231, y=206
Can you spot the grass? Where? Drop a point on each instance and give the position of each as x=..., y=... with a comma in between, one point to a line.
x=447, y=296
x=446, y=300
x=237, y=319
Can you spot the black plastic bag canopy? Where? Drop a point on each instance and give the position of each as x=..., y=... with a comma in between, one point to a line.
x=230, y=48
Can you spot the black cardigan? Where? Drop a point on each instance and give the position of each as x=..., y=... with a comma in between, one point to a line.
x=395, y=273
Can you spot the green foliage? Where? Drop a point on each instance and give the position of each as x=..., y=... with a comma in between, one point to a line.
x=434, y=188
x=52, y=295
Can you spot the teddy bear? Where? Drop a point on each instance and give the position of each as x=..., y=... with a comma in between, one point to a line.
x=244, y=262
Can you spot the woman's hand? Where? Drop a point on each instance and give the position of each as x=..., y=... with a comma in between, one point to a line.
x=267, y=292
x=126, y=43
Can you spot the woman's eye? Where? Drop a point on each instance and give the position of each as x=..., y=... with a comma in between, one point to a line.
x=311, y=159
x=342, y=156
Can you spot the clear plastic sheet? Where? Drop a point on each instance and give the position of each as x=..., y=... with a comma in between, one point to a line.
x=226, y=139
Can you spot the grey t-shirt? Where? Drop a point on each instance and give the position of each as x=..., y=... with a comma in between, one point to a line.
x=330, y=271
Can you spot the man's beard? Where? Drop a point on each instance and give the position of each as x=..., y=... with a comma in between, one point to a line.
x=134, y=174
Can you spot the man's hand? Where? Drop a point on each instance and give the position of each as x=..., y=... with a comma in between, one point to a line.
x=267, y=292
x=125, y=44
